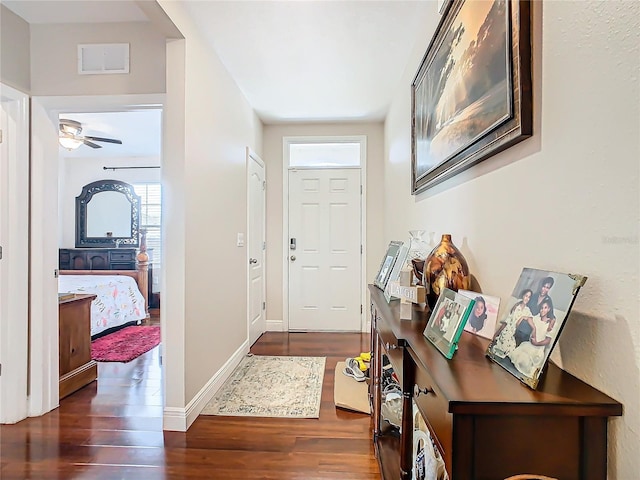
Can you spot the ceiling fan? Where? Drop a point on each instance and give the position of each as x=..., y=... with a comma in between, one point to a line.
x=70, y=136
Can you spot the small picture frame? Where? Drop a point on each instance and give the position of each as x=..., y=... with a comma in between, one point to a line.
x=531, y=324
x=482, y=319
x=447, y=321
x=388, y=261
x=394, y=276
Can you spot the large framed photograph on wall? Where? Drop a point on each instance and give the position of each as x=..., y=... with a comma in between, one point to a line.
x=471, y=97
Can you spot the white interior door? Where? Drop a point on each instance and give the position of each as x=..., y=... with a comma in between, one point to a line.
x=256, y=189
x=325, y=250
x=14, y=262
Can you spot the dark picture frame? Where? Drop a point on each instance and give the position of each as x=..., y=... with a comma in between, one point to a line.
x=386, y=266
x=471, y=97
x=530, y=327
x=447, y=321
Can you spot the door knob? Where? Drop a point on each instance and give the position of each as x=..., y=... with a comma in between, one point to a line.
x=293, y=258
x=252, y=261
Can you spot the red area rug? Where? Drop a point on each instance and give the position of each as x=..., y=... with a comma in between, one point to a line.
x=126, y=344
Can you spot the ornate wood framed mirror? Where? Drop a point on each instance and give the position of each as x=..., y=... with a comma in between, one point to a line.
x=107, y=215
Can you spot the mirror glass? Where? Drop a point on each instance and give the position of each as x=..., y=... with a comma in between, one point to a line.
x=107, y=215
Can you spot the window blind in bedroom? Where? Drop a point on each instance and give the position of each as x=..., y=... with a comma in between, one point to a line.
x=151, y=215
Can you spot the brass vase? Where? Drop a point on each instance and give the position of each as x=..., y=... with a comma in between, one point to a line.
x=445, y=267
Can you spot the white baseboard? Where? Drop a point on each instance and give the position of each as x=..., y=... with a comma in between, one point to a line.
x=174, y=419
x=275, y=326
x=180, y=419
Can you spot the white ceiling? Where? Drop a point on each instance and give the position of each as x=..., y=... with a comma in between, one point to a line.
x=76, y=11
x=140, y=132
x=308, y=60
x=314, y=60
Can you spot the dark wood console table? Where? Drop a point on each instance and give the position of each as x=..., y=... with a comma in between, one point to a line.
x=485, y=423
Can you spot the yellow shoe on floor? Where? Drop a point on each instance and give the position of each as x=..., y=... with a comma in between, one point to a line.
x=361, y=362
x=363, y=366
x=365, y=356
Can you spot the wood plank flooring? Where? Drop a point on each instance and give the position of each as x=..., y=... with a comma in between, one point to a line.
x=112, y=429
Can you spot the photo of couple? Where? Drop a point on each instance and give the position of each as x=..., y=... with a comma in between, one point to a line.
x=535, y=315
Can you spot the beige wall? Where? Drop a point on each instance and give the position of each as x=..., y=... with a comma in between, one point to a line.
x=218, y=125
x=54, y=59
x=273, y=136
x=14, y=50
x=565, y=200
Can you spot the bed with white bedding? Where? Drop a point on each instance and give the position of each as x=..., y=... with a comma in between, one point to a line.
x=118, y=302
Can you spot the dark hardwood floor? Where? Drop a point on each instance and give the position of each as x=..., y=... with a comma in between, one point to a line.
x=112, y=429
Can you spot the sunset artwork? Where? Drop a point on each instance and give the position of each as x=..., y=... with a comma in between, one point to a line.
x=464, y=90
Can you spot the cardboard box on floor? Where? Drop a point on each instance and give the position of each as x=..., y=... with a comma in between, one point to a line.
x=350, y=394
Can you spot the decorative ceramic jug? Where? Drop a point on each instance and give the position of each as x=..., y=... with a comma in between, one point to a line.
x=445, y=267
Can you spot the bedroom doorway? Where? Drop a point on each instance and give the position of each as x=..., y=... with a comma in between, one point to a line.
x=51, y=225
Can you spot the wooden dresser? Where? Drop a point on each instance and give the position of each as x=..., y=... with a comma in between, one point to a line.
x=77, y=369
x=485, y=423
x=97, y=258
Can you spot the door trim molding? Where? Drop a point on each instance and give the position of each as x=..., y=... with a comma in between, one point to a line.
x=286, y=142
x=14, y=313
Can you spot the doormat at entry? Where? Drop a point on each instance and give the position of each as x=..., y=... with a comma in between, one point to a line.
x=349, y=393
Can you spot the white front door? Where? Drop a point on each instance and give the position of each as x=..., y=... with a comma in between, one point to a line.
x=324, y=250
x=256, y=188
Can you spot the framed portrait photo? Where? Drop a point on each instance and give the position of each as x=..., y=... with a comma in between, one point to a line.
x=532, y=321
x=388, y=261
x=482, y=319
x=447, y=321
x=394, y=276
x=471, y=97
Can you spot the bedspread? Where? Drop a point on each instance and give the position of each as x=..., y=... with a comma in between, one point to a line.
x=118, y=300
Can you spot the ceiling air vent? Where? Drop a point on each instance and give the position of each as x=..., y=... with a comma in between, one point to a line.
x=101, y=59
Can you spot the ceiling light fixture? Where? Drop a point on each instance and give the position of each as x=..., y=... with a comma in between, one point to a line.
x=69, y=143
x=68, y=131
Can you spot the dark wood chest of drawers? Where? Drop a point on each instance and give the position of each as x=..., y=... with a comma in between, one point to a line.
x=97, y=258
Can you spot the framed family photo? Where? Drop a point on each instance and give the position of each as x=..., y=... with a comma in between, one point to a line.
x=471, y=97
x=531, y=324
x=388, y=261
x=447, y=321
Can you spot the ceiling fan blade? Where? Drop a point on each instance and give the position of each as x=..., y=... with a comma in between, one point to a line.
x=100, y=139
x=91, y=144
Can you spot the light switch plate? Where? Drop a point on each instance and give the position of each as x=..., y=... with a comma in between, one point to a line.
x=240, y=240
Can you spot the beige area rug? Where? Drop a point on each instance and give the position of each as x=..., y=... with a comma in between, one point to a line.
x=265, y=386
